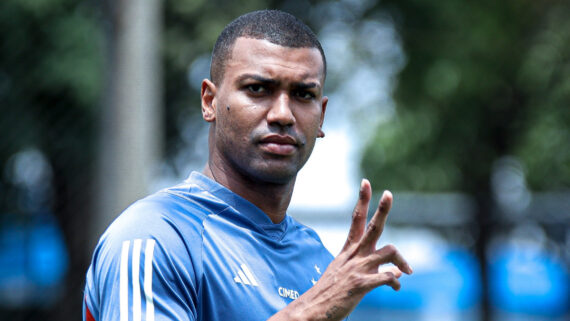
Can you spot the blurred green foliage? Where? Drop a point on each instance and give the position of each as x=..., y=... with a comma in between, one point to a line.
x=483, y=80
x=51, y=72
x=52, y=63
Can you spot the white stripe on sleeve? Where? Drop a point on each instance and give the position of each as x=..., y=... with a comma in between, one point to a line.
x=148, y=253
x=124, y=282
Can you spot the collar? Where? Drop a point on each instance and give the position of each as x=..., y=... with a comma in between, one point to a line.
x=240, y=205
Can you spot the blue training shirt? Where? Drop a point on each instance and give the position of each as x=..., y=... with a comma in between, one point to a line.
x=198, y=251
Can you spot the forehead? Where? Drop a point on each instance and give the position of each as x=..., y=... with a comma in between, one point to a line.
x=258, y=56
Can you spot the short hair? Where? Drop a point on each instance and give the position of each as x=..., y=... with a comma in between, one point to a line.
x=276, y=26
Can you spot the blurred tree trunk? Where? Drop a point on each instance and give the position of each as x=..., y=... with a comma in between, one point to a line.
x=131, y=138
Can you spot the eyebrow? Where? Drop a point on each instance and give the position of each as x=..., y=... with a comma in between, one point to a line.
x=302, y=85
x=269, y=81
x=259, y=78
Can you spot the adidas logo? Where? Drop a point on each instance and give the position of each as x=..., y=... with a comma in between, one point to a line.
x=244, y=276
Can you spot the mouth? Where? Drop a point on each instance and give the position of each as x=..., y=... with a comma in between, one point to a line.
x=283, y=145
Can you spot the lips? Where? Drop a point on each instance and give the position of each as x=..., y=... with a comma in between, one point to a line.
x=283, y=145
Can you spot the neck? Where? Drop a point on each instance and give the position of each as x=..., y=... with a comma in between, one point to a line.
x=272, y=199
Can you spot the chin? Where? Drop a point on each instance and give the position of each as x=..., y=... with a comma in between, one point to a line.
x=279, y=175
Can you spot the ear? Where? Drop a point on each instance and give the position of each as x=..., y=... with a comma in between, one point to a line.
x=208, y=94
x=324, y=102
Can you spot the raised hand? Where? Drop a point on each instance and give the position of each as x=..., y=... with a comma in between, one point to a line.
x=357, y=269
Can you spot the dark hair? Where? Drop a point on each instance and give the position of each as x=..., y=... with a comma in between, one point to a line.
x=276, y=26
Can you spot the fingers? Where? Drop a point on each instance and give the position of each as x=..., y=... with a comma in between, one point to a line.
x=359, y=214
x=376, y=224
x=389, y=275
x=386, y=276
x=392, y=269
x=389, y=254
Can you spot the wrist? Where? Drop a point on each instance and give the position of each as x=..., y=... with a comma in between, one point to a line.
x=298, y=310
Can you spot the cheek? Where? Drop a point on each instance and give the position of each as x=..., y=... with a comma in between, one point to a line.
x=237, y=122
x=311, y=124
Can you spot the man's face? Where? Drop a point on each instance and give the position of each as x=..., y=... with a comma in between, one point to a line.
x=267, y=111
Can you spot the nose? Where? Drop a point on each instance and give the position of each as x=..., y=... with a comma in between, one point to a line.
x=280, y=112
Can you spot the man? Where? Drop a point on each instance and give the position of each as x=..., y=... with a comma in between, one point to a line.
x=220, y=246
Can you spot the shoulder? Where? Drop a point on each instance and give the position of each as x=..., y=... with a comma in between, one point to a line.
x=159, y=216
x=172, y=219
x=180, y=209
x=160, y=235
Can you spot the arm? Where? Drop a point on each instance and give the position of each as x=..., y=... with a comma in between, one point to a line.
x=355, y=271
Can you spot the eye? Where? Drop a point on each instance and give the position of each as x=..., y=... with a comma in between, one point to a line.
x=256, y=88
x=304, y=95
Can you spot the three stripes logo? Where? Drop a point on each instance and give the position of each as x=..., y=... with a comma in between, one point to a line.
x=244, y=276
x=130, y=283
